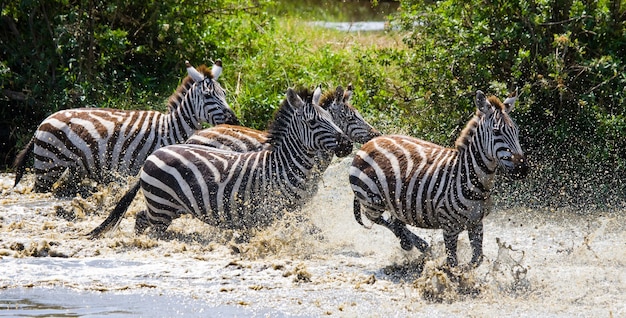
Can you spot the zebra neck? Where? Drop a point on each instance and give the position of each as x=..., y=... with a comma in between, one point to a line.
x=178, y=125
x=476, y=170
x=296, y=161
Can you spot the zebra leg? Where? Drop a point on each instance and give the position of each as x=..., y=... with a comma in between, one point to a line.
x=45, y=178
x=141, y=222
x=450, y=240
x=475, y=234
x=407, y=238
x=159, y=226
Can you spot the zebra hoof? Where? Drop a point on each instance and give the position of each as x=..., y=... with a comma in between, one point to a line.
x=476, y=261
x=406, y=245
x=410, y=239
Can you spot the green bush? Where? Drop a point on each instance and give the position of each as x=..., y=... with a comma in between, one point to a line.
x=125, y=54
x=567, y=56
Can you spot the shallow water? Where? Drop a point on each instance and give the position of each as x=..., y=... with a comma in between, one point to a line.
x=364, y=26
x=549, y=263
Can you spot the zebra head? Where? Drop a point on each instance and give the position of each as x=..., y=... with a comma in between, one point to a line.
x=501, y=134
x=347, y=118
x=314, y=125
x=209, y=101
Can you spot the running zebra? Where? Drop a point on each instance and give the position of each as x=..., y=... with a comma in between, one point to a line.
x=429, y=186
x=230, y=189
x=242, y=139
x=345, y=116
x=99, y=143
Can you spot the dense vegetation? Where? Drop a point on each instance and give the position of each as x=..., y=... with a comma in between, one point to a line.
x=567, y=56
x=419, y=77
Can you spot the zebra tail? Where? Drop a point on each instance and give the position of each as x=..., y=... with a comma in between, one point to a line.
x=357, y=212
x=20, y=160
x=116, y=215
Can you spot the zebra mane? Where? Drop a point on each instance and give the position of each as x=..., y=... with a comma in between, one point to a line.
x=177, y=97
x=502, y=113
x=470, y=128
x=467, y=132
x=282, y=117
x=327, y=99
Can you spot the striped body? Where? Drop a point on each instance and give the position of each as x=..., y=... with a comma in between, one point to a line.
x=102, y=144
x=231, y=189
x=433, y=187
x=345, y=116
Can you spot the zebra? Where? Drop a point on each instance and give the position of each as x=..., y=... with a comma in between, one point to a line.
x=231, y=189
x=99, y=143
x=243, y=139
x=433, y=187
x=345, y=116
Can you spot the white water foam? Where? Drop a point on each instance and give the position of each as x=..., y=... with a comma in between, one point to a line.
x=548, y=263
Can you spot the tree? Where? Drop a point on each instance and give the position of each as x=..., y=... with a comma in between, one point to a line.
x=567, y=56
x=58, y=54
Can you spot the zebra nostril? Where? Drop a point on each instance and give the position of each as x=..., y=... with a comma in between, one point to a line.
x=344, y=146
x=231, y=118
x=520, y=169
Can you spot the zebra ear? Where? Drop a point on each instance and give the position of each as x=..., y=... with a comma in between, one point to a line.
x=482, y=104
x=197, y=76
x=509, y=102
x=347, y=95
x=317, y=94
x=216, y=70
x=294, y=100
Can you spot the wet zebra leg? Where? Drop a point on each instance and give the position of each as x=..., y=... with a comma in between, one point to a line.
x=141, y=222
x=475, y=234
x=450, y=240
x=158, y=225
x=407, y=238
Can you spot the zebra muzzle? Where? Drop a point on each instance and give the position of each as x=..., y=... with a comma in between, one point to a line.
x=344, y=146
x=520, y=167
x=230, y=117
x=371, y=134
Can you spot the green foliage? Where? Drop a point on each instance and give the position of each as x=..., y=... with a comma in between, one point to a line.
x=284, y=56
x=125, y=54
x=567, y=56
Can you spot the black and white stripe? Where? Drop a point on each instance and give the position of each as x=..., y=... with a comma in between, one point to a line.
x=243, y=139
x=430, y=186
x=345, y=116
x=230, y=189
x=102, y=144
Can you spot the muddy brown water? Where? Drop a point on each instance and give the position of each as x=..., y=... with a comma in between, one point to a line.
x=537, y=263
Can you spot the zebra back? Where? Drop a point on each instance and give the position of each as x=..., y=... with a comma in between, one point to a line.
x=99, y=143
x=230, y=137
